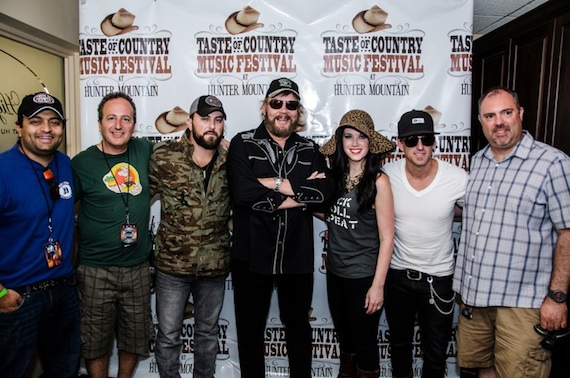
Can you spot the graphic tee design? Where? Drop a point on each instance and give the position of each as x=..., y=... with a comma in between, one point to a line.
x=123, y=178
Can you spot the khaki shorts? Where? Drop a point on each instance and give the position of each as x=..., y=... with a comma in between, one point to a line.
x=505, y=338
x=114, y=299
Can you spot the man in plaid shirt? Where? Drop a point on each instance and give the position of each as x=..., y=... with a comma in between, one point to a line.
x=513, y=264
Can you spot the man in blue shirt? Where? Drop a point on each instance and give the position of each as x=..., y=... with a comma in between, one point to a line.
x=38, y=299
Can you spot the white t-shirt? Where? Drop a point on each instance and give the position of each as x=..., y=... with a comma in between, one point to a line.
x=424, y=218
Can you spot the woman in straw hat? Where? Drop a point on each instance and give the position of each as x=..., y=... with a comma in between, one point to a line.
x=361, y=238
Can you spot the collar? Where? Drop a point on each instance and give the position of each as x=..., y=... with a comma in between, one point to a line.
x=521, y=150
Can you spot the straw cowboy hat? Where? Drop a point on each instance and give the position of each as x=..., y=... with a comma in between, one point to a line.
x=118, y=23
x=361, y=121
x=370, y=20
x=243, y=21
x=171, y=121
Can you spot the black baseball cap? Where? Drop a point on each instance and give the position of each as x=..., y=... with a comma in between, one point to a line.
x=415, y=122
x=282, y=85
x=35, y=103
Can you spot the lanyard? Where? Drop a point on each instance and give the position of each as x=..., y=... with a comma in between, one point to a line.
x=49, y=204
x=127, y=182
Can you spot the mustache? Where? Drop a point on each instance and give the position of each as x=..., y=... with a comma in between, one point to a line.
x=211, y=132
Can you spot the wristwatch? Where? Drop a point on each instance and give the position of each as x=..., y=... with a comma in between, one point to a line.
x=278, y=182
x=557, y=296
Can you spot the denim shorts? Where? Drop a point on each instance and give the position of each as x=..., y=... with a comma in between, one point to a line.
x=114, y=300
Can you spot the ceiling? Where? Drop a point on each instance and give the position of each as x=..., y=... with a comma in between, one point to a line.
x=488, y=15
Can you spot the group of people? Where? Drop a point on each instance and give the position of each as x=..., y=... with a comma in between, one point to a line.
x=389, y=226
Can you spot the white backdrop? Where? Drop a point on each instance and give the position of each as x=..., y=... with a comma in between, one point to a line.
x=415, y=55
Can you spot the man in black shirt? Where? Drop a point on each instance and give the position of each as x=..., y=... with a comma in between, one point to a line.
x=275, y=178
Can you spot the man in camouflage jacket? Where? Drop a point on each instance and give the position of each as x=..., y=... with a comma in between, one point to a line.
x=192, y=241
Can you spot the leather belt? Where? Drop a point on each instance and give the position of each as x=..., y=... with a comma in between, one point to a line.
x=44, y=285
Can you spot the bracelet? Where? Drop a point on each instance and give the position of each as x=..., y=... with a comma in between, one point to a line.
x=278, y=182
x=3, y=292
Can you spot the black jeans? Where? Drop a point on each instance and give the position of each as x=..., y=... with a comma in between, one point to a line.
x=407, y=295
x=357, y=332
x=252, y=300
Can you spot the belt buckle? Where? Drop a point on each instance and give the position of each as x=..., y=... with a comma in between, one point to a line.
x=43, y=285
x=413, y=275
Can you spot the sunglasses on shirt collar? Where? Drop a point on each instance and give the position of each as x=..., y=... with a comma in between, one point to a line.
x=278, y=104
x=412, y=141
x=53, y=187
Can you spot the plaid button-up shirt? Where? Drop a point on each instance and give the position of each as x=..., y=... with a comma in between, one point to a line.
x=512, y=211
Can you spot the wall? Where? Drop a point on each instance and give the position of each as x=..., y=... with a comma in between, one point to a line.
x=56, y=18
x=51, y=26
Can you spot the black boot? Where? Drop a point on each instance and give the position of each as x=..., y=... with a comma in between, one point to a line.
x=368, y=374
x=347, y=365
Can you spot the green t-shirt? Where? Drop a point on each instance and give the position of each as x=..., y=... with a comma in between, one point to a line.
x=106, y=185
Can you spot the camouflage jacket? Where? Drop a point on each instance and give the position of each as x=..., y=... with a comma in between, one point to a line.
x=193, y=236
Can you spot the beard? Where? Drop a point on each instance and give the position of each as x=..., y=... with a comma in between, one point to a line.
x=277, y=131
x=209, y=144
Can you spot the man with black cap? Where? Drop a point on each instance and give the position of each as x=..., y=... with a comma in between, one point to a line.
x=428, y=193
x=275, y=177
x=193, y=239
x=38, y=299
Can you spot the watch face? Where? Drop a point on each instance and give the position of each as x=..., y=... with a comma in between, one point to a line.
x=558, y=296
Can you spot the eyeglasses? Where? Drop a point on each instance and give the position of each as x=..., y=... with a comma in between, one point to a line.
x=412, y=141
x=53, y=187
x=290, y=105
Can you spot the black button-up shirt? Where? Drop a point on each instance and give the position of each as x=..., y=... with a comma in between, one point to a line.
x=275, y=241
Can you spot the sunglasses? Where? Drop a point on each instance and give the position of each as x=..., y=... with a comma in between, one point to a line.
x=412, y=141
x=53, y=187
x=278, y=104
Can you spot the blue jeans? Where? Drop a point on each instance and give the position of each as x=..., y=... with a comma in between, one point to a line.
x=172, y=293
x=404, y=297
x=49, y=321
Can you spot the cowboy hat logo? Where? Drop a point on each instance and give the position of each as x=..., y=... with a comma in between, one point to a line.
x=435, y=115
x=243, y=21
x=120, y=22
x=171, y=121
x=371, y=20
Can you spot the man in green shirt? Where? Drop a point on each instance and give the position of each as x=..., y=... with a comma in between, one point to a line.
x=111, y=185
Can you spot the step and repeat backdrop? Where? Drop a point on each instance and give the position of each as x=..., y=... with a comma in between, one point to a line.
x=384, y=57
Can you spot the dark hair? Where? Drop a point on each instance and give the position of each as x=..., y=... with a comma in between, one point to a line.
x=366, y=188
x=112, y=96
x=495, y=90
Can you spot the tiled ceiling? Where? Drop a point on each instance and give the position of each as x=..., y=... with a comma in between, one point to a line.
x=488, y=15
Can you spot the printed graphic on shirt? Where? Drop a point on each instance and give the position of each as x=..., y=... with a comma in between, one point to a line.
x=123, y=178
x=339, y=214
x=64, y=189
